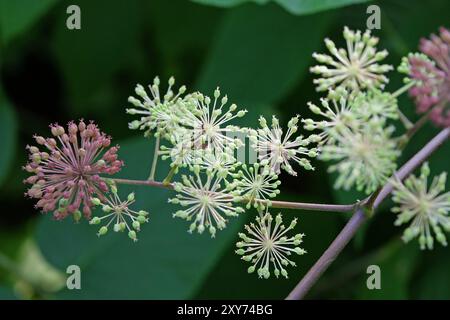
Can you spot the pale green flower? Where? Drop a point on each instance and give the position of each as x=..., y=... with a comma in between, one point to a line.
x=158, y=113
x=365, y=156
x=355, y=67
x=222, y=162
x=118, y=214
x=256, y=182
x=268, y=246
x=337, y=113
x=205, y=200
x=425, y=207
x=181, y=150
x=209, y=122
x=278, y=149
x=375, y=103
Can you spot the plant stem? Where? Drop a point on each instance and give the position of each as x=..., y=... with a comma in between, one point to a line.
x=404, y=119
x=155, y=159
x=406, y=122
x=150, y=183
x=167, y=180
x=403, y=89
x=275, y=204
x=359, y=218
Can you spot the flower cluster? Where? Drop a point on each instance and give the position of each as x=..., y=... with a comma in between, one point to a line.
x=256, y=184
x=430, y=71
x=279, y=150
x=206, y=200
x=157, y=113
x=426, y=207
x=66, y=176
x=365, y=156
x=199, y=136
x=354, y=68
x=119, y=214
x=355, y=133
x=197, y=133
x=267, y=245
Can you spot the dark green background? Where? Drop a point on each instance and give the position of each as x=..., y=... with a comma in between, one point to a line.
x=259, y=53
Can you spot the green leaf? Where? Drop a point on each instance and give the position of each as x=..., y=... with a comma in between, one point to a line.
x=91, y=57
x=397, y=263
x=227, y=3
x=166, y=263
x=297, y=7
x=8, y=136
x=434, y=278
x=6, y=294
x=19, y=15
x=311, y=6
x=256, y=61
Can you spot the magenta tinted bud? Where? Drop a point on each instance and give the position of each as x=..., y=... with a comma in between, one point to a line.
x=433, y=88
x=74, y=176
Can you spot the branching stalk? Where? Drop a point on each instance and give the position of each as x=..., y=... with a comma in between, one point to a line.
x=359, y=218
x=155, y=158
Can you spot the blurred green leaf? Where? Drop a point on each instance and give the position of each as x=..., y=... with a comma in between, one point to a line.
x=166, y=263
x=90, y=58
x=227, y=3
x=397, y=262
x=19, y=15
x=297, y=7
x=434, y=278
x=180, y=57
x=311, y=6
x=256, y=61
x=8, y=136
x=6, y=294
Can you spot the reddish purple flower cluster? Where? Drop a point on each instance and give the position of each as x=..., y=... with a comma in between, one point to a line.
x=68, y=175
x=433, y=75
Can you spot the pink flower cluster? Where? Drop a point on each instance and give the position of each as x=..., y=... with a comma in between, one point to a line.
x=433, y=76
x=67, y=175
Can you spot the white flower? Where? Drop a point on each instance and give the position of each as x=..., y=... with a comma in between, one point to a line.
x=181, y=150
x=118, y=213
x=425, y=207
x=337, y=111
x=256, y=182
x=157, y=113
x=355, y=67
x=375, y=103
x=277, y=150
x=209, y=122
x=206, y=201
x=267, y=245
x=365, y=155
x=222, y=162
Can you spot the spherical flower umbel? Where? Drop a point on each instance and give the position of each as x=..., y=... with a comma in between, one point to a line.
x=425, y=207
x=206, y=201
x=119, y=214
x=337, y=113
x=355, y=67
x=157, y=112
x=209, y=122
x=375, y=104
x=181, y=150
x=256, y=182
x=365, y=155
x=268, y=246
x=222, y=162
x=431, y=73
x=279, y=150
x=67, y=175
